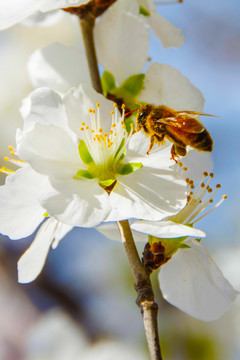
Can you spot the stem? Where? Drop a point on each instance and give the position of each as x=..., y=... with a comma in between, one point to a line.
x=143, y=286
x=87, y=26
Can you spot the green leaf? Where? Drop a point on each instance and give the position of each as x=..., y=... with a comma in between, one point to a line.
x=126, y=169
x=84, y=153
x=108, y=82
x=132, y=86
x=83, y=174
x=143, y=11
x=185, y=246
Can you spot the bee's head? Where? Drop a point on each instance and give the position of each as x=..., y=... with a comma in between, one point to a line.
x=142, y=115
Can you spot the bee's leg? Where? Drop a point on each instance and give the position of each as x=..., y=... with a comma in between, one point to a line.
x=177, y=150
x=151, y=144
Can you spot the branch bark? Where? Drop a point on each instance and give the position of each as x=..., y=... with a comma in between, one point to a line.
x=143, y=286
x=145, y=295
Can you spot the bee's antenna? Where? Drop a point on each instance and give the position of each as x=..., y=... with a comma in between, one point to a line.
x=130, y=112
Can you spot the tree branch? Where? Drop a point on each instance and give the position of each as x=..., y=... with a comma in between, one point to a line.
x=145, y=295
x=143, y=286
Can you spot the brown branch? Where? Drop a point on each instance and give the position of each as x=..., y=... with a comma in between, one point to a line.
x=143, y=286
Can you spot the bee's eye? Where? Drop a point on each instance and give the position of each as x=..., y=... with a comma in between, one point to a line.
x=142, y=115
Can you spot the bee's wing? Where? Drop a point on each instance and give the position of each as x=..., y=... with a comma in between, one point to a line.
x=184, y=123
x=193, y=113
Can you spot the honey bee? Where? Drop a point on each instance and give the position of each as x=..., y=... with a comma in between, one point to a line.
x=180, y=127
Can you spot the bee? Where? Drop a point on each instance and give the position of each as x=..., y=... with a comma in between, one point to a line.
x=180, y=127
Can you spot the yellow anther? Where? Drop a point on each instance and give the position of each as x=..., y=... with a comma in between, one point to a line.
x=93, y=111
x=211, y=175
x=115, y=105
x=202, y=185
x=123, y=106
x=92, y=131
x=124, y=126
x=110, y=132
x=105, y=135
x=188, y=198
x=218, y=186
x=83, y=123
x=97, y=105
x=87, y=127
x=187, y=180
x=12, y=152
x=185, y=168
x=192, y=187
x=113, y=125
x=89, y=110
x=224, y=196
x=6, y=158
x=10, y=147
x=205, y=173
x=209, y=190
x=122, y=122
x=211, y=201
x=81, y=128
x=132, y=125
x=100, y=130
x=112, y=112
x=180, y=163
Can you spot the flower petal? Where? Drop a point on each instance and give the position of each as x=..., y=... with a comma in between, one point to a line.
x=32, y=261
x=147, y=194
x=13, y=12
x=58, y=67
x=192, y=282
x=50, y=151
x=20, y=211
x=165, y=85
x=77, y=104
x=110, y=230
x=169, y=34
x=47, y=5
x=75, y=202
x=166, y=229
x=118, y=33
x=42, y=19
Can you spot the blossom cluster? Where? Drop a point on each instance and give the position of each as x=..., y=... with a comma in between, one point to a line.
x=81, y=164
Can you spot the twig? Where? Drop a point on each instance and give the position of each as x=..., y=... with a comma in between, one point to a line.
x=143, y=286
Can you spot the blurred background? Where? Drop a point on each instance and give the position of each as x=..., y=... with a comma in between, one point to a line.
x=82, y=306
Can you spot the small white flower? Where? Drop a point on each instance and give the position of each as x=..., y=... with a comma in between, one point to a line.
x=189, y=278
x=86, y=159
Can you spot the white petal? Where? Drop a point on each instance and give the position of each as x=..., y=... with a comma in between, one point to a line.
x=20, y=211
x=192, y=282
x=61, y=231
x=196, y=162
x=58, y=67
x=13, y=11
x=165, y=85
x=147, y=194
x=75, y=202
x=32, y=261
x=166, y=229
x=117, y=34
x=42, y=19
x=49, y=150
x=43, y=106
x=110, y=230
x=47, y=5
x=159, y=157
x=169, y=34
x=77, y=103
